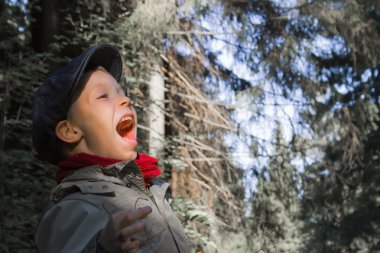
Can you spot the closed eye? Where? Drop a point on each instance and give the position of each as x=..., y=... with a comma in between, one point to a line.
x=103, y=96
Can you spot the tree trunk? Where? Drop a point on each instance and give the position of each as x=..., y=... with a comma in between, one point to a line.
x=156, y=113
x=45, y=23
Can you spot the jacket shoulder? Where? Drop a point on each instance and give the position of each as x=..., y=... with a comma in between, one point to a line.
x=85, y=187
x=70, y=226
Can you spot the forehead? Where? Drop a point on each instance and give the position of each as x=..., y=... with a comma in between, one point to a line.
x=96, y=81
x=100, y=78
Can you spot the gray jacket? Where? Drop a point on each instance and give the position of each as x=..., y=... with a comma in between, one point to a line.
x=81, y=205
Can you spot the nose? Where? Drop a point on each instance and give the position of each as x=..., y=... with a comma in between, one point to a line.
x=125, y=101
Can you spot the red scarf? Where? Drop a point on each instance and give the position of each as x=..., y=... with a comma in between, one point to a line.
x=147, y=165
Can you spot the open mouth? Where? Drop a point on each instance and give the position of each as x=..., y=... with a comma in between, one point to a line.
x=125, y=127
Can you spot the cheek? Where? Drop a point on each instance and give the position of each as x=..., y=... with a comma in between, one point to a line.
x=101, y=121
x=95, y=119
x=86, y=120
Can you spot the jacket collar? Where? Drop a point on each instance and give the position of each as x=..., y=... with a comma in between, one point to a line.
x=122, y=173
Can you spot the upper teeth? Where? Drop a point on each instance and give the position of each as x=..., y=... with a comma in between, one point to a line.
x=125, y=119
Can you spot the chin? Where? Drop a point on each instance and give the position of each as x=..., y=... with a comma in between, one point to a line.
x=126, y=155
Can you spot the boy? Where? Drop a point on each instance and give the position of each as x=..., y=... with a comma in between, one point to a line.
x=107, y=198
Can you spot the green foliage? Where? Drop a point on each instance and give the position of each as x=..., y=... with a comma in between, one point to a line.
x=357, y=22
x=276, y=205
x=321, y=58
x=317, y=191
x=23, y=180
x=191, y=214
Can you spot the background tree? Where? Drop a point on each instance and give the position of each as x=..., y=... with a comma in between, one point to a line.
x=276, y=207
x=305, y=54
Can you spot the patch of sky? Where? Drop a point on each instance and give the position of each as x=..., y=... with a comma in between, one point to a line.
x=323, y=97
x=244, y=111
x=352, y=102
x=330, y=137
x=314, y=155
x=288, y=26
x=226, y=56
x=254, y=115
x=251, y=186
x=256, y=19
x=349, y=79
x=298, y=163
x=322, y=46
x=341, y=88
x=280, y=74
x=280, y=40
x=366, y=75
x=285, y=4
x=225, y=94
x=337, y=107
x=213, y=21
x=336, y=5
x=325, y=74
x=325, y=47
x=324, y=172
x=183, y=49
x=354, y=84
x=315, y=23
x=274, y=109
x=241, y=155
x=304, y=162
x=339, y=46
x=348, y=83
x=306, y=24
x=285, y=111
x=21, y=3
x=301, y=64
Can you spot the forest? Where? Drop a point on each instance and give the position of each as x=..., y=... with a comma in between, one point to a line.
x=265, y=121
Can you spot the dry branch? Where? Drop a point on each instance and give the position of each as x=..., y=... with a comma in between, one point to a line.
x=194, y=118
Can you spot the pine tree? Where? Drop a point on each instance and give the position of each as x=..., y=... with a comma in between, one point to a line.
x=21, y=182
x=338, y=109
x=276, y=208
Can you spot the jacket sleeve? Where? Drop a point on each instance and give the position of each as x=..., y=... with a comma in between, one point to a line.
x=71, y=226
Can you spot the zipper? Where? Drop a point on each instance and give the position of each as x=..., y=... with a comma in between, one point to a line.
x=150, y=195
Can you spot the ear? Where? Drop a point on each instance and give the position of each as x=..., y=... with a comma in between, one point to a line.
x=67, y=132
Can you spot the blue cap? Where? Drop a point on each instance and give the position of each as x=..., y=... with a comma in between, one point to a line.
x=54, y=97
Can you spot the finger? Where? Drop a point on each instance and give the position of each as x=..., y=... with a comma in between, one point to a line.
x=128, y=217
x=130, y=230
x=135, y=244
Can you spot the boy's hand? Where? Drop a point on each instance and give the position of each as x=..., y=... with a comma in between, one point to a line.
x=117, y=236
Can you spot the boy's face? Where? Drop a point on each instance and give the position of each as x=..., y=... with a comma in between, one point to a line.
x=105, y=118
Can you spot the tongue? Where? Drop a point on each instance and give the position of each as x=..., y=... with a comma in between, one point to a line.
x=129, y=135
